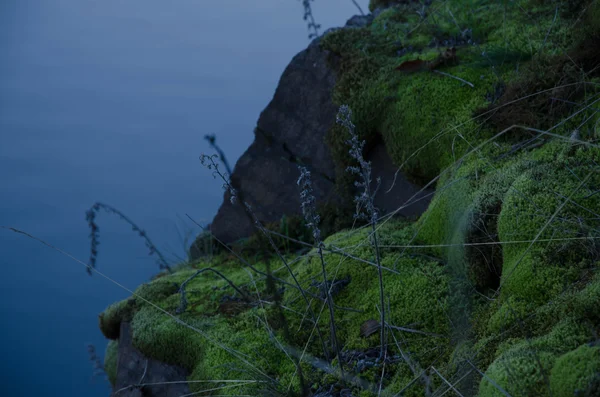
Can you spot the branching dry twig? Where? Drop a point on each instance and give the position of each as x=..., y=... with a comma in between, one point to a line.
x=90, y=216
x=365, y=200
x=308, y=16
x=309, y=211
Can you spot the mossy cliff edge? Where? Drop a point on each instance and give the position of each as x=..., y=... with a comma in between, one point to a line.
x=493, y=291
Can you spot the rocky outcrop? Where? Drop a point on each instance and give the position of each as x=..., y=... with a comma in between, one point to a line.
x=135, y=369
x=291, y=131
x=494, y=288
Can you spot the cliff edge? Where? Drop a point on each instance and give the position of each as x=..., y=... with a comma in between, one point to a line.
x=491, y=287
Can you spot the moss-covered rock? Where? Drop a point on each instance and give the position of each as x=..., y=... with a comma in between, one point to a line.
x=110, y=320
x=419, y=114
x=524, y=365
x=576, y=372
x=498, y=277
x=520, y=372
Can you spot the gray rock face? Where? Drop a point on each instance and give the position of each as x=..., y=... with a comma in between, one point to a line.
x=134, y=368
x=291, y=129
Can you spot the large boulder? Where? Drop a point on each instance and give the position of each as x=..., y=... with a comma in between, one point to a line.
x=291, y=130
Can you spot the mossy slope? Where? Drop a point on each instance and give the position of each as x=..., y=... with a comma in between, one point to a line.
x=495, y=288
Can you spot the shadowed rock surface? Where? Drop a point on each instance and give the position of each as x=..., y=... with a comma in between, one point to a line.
x=292, y=128
x=291, y=131
x=400, y=189
x=134, y=368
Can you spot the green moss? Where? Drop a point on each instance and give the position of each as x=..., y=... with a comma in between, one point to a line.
x=416, y=290
x=574, y=371
x=246, y=337
x=110, y=320
x=536, y=273
x=559, y=325
x=521, y=372
x=521, y=193
x=523, y=366
x=417, y=124
x=473, y=285
x=159, y=289
x=423, y=113
x=415, y=286
x=524, y=192
x=162, y=338
x=417, y=281
x=110, y=361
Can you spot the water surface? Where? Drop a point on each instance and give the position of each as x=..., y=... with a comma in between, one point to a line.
x=109, y=101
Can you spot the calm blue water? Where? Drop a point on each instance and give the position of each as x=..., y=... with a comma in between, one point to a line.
x=109, y=101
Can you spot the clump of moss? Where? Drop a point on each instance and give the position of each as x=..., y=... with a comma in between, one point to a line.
x=159, y=289
x=426, y=119
x=248, y=345
x=548, y=202
x=248, y=337
x=415, y=285
x=548, y=88
x=575, y=371
x=110, y=320
x=164, y=339
x=521, y=372
x=523, y=365
x=544, y=366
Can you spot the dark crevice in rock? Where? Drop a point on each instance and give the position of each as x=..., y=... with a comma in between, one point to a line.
x=395, y=190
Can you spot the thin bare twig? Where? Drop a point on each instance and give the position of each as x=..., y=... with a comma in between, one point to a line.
x=309, y=211
x=365, y=200
x=209, y=162
x=500, y=389
x=445, y=381
x=91, y=217
x=454, y=77
x=358, y=6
